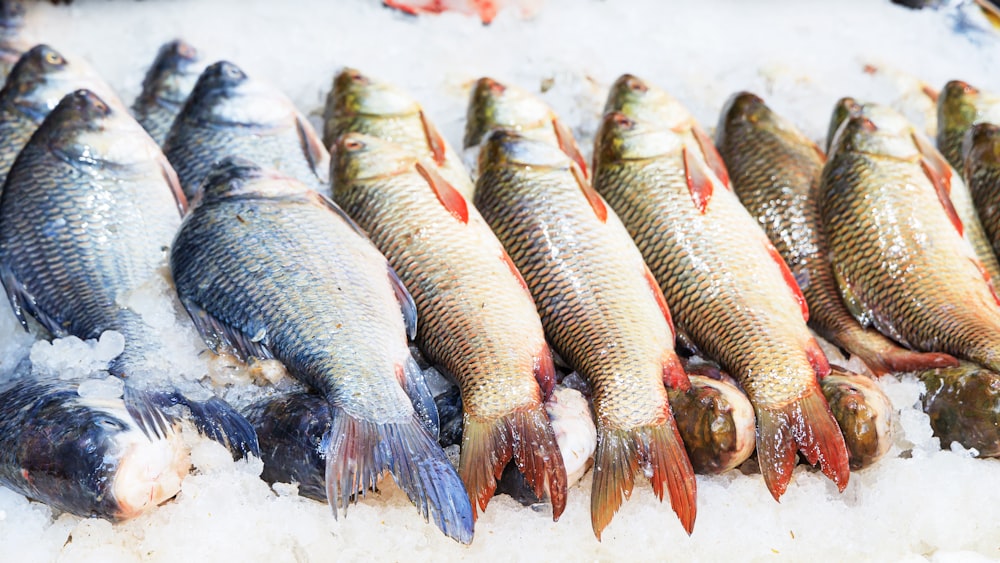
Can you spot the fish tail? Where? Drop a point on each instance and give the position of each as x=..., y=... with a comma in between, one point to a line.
x=807, y=425
x=894, y=359
x=526, y=436
x=621, y=453
x=359, y=452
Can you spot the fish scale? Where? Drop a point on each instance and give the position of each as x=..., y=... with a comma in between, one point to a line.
x=775, y=172
x=601, y=310
x=897, y=253
x=477, y=320
x=981, y=150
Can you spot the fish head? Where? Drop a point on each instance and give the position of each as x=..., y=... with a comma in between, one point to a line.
x=621, y=138
x=356, y=156
x=508, y=147
x=962, y=105
x=495, y=105
x=90, y=455
x=357, y=94
x=42, y=76
x=642, y=101
x=861, y=134
x=982, y=145
x=85, y=127
x=844, y=109
x=11, y=16
x=174, y=72
x=225, y=95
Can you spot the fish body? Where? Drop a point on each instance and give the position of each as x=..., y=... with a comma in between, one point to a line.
x=83, y=455
x=493, y=105
x=961, y=106
x=360, y=104
x=268, y=268
x=939, y=171
x=166, y=87
x=36, y=84
x=476, y=319
x=775, y=172
x=900, y=259
x=981, y=152
x=602, y=311
x=230, y=114
x=729, y=290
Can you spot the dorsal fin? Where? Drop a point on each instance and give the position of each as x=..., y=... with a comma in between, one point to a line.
x=435, y=142
x=654, y=287
x=942, y=185
x=711, y=155
x=449, y=197
x=699, y=183
x=568, y=144
x=789, y=279
x=593, y=198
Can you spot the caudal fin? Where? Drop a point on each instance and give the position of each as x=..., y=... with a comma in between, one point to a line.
x=621, y=453
x=527, y=437
x=805, y=425
x=359, y=452
x=895, y=359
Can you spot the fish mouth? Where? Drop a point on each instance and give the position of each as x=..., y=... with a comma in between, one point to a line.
x=149, y=473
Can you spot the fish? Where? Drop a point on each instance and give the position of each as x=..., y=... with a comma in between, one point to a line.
x=602, y=311
x=960, y=106
x=863, y=412
x=358, y=103
x=493, y=105
x=230, y=113
x=83, y=455
x=165, y=88
x=897, y=248
x=36, y=84
x=715, y=419
x=477, y=320
x=268, y=268
x=12, y=45
x=981, y=153
x=728, y=288
x=87, y=213
x=963, y=404
x=952, y=185
x=775, y=172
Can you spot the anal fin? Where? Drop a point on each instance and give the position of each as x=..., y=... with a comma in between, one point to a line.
x=22, y=302
x=413, y=382
x=674, y=376
x=220, y=336
x=545, y=370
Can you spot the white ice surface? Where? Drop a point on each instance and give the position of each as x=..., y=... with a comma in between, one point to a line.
x=929, y=503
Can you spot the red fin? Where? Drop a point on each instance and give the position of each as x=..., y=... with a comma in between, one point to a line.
x=568, y=145
x=894, y=359
x=819, y=151
x=513, y=269
x=711, y=154
x=674, y=375
x=622, y=453
x=524, y=435
x=660, y=300
x=360, y=451
x=545, y=370
x=596, y=203
x=817, y=359
x=986, y=278
x=793, y=285
x=699, y=184
x=942, y=185
x=449, y=197
x=807, y=425
x=435, y=142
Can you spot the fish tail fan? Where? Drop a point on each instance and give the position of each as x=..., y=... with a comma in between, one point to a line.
x=621, y=453
x=359, y=452
x=895, y=359
x=525, y=435
x=807, y=425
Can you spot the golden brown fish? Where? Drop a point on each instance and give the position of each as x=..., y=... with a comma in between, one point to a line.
x=961, y=106
x=981, y=151
x=775, y=172
x=897, y=248
x=963, y=404
x=602, y=310
x=477, y=320
x=729, y=289
x=863, y=412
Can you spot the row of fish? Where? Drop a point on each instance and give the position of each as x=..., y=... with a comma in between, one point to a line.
x=535, y=252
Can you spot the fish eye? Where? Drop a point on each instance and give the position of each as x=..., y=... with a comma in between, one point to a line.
x=353, y=144
x=636, y=86
x=622, y=120
x=54, y=58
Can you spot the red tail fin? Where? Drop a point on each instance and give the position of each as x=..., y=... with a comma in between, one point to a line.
x=620, y=453
x=807, y=425
x=527, y=437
